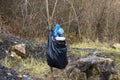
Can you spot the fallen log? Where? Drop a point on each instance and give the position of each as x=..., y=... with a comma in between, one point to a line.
x=91, y=66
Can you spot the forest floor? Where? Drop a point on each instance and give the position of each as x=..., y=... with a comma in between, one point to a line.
x=39, y=70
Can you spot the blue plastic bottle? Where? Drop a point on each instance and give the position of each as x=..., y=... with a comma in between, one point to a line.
x=58, y=31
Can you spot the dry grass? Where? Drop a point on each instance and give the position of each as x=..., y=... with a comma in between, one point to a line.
x=31, y=66
x=40, y=69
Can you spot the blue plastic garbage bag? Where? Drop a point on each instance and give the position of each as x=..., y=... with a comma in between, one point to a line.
x=56, y=52
x=58, y=31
